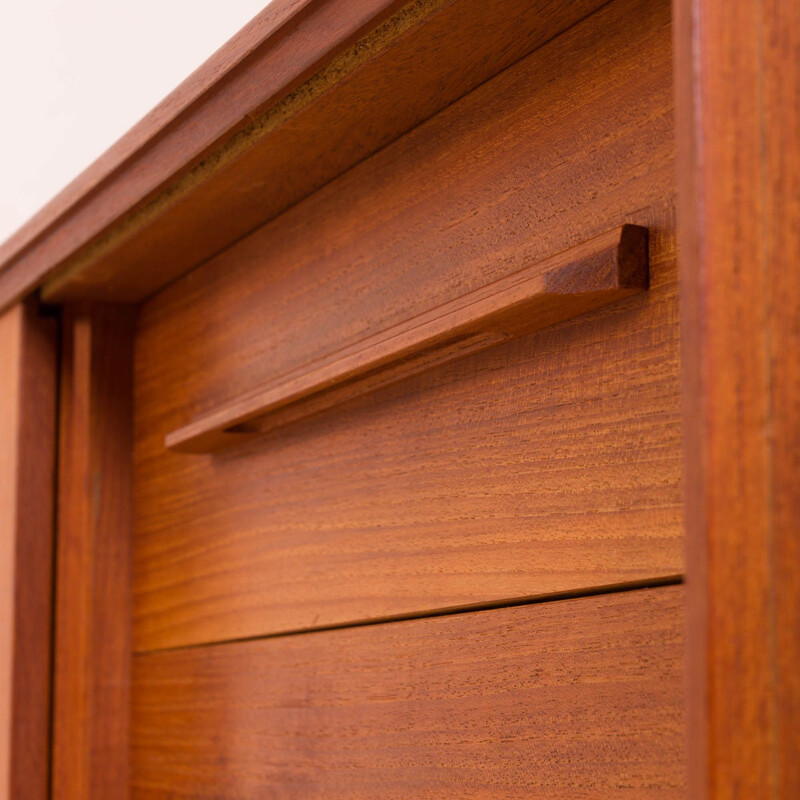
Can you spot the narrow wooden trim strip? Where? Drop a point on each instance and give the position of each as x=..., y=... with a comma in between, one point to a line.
x=603, y=270
x=28, y=388
x=93, y=584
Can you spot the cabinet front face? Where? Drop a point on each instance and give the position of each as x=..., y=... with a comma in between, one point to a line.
x=354, y=415
x=432, y=387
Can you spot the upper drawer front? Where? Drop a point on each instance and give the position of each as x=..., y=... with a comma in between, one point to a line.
x=545, y=464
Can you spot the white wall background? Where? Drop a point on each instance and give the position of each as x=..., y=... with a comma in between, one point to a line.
x=76, y=74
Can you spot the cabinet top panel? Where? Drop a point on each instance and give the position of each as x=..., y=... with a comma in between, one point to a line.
x=305, y=91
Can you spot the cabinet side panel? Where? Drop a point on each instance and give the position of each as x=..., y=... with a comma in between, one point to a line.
x=27, y=462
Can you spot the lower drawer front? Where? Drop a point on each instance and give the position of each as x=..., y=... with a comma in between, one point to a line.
x=577, y=698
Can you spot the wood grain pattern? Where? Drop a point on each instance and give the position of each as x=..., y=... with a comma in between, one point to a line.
x=781, y=115
x=93, y=608
x=495, y=183
x=606, y=269
x=546, y=464
x=192, y=178
x=27, y=505
x=579, y=698
x=739, y=90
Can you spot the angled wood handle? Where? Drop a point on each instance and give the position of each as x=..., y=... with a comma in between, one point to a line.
x=595, y=273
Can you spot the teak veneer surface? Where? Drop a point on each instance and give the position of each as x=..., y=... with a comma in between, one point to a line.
x=738, y=81
x=578, y=698
x=563, y=146
x=547, y=464
x=28, y=390
x=91, y=720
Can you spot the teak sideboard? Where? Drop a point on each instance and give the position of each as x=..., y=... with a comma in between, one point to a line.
x=409, y=407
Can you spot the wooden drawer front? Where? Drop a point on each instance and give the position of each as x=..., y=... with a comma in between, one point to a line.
x=577, y=698
x=547, y=464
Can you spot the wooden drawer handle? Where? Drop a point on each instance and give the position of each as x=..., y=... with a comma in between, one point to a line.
x=605, y=269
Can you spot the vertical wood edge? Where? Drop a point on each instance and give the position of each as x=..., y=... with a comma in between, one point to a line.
x=691, y=280
x=780, y=82
x=93, y=605
x=738, y=119
x=28, y=421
